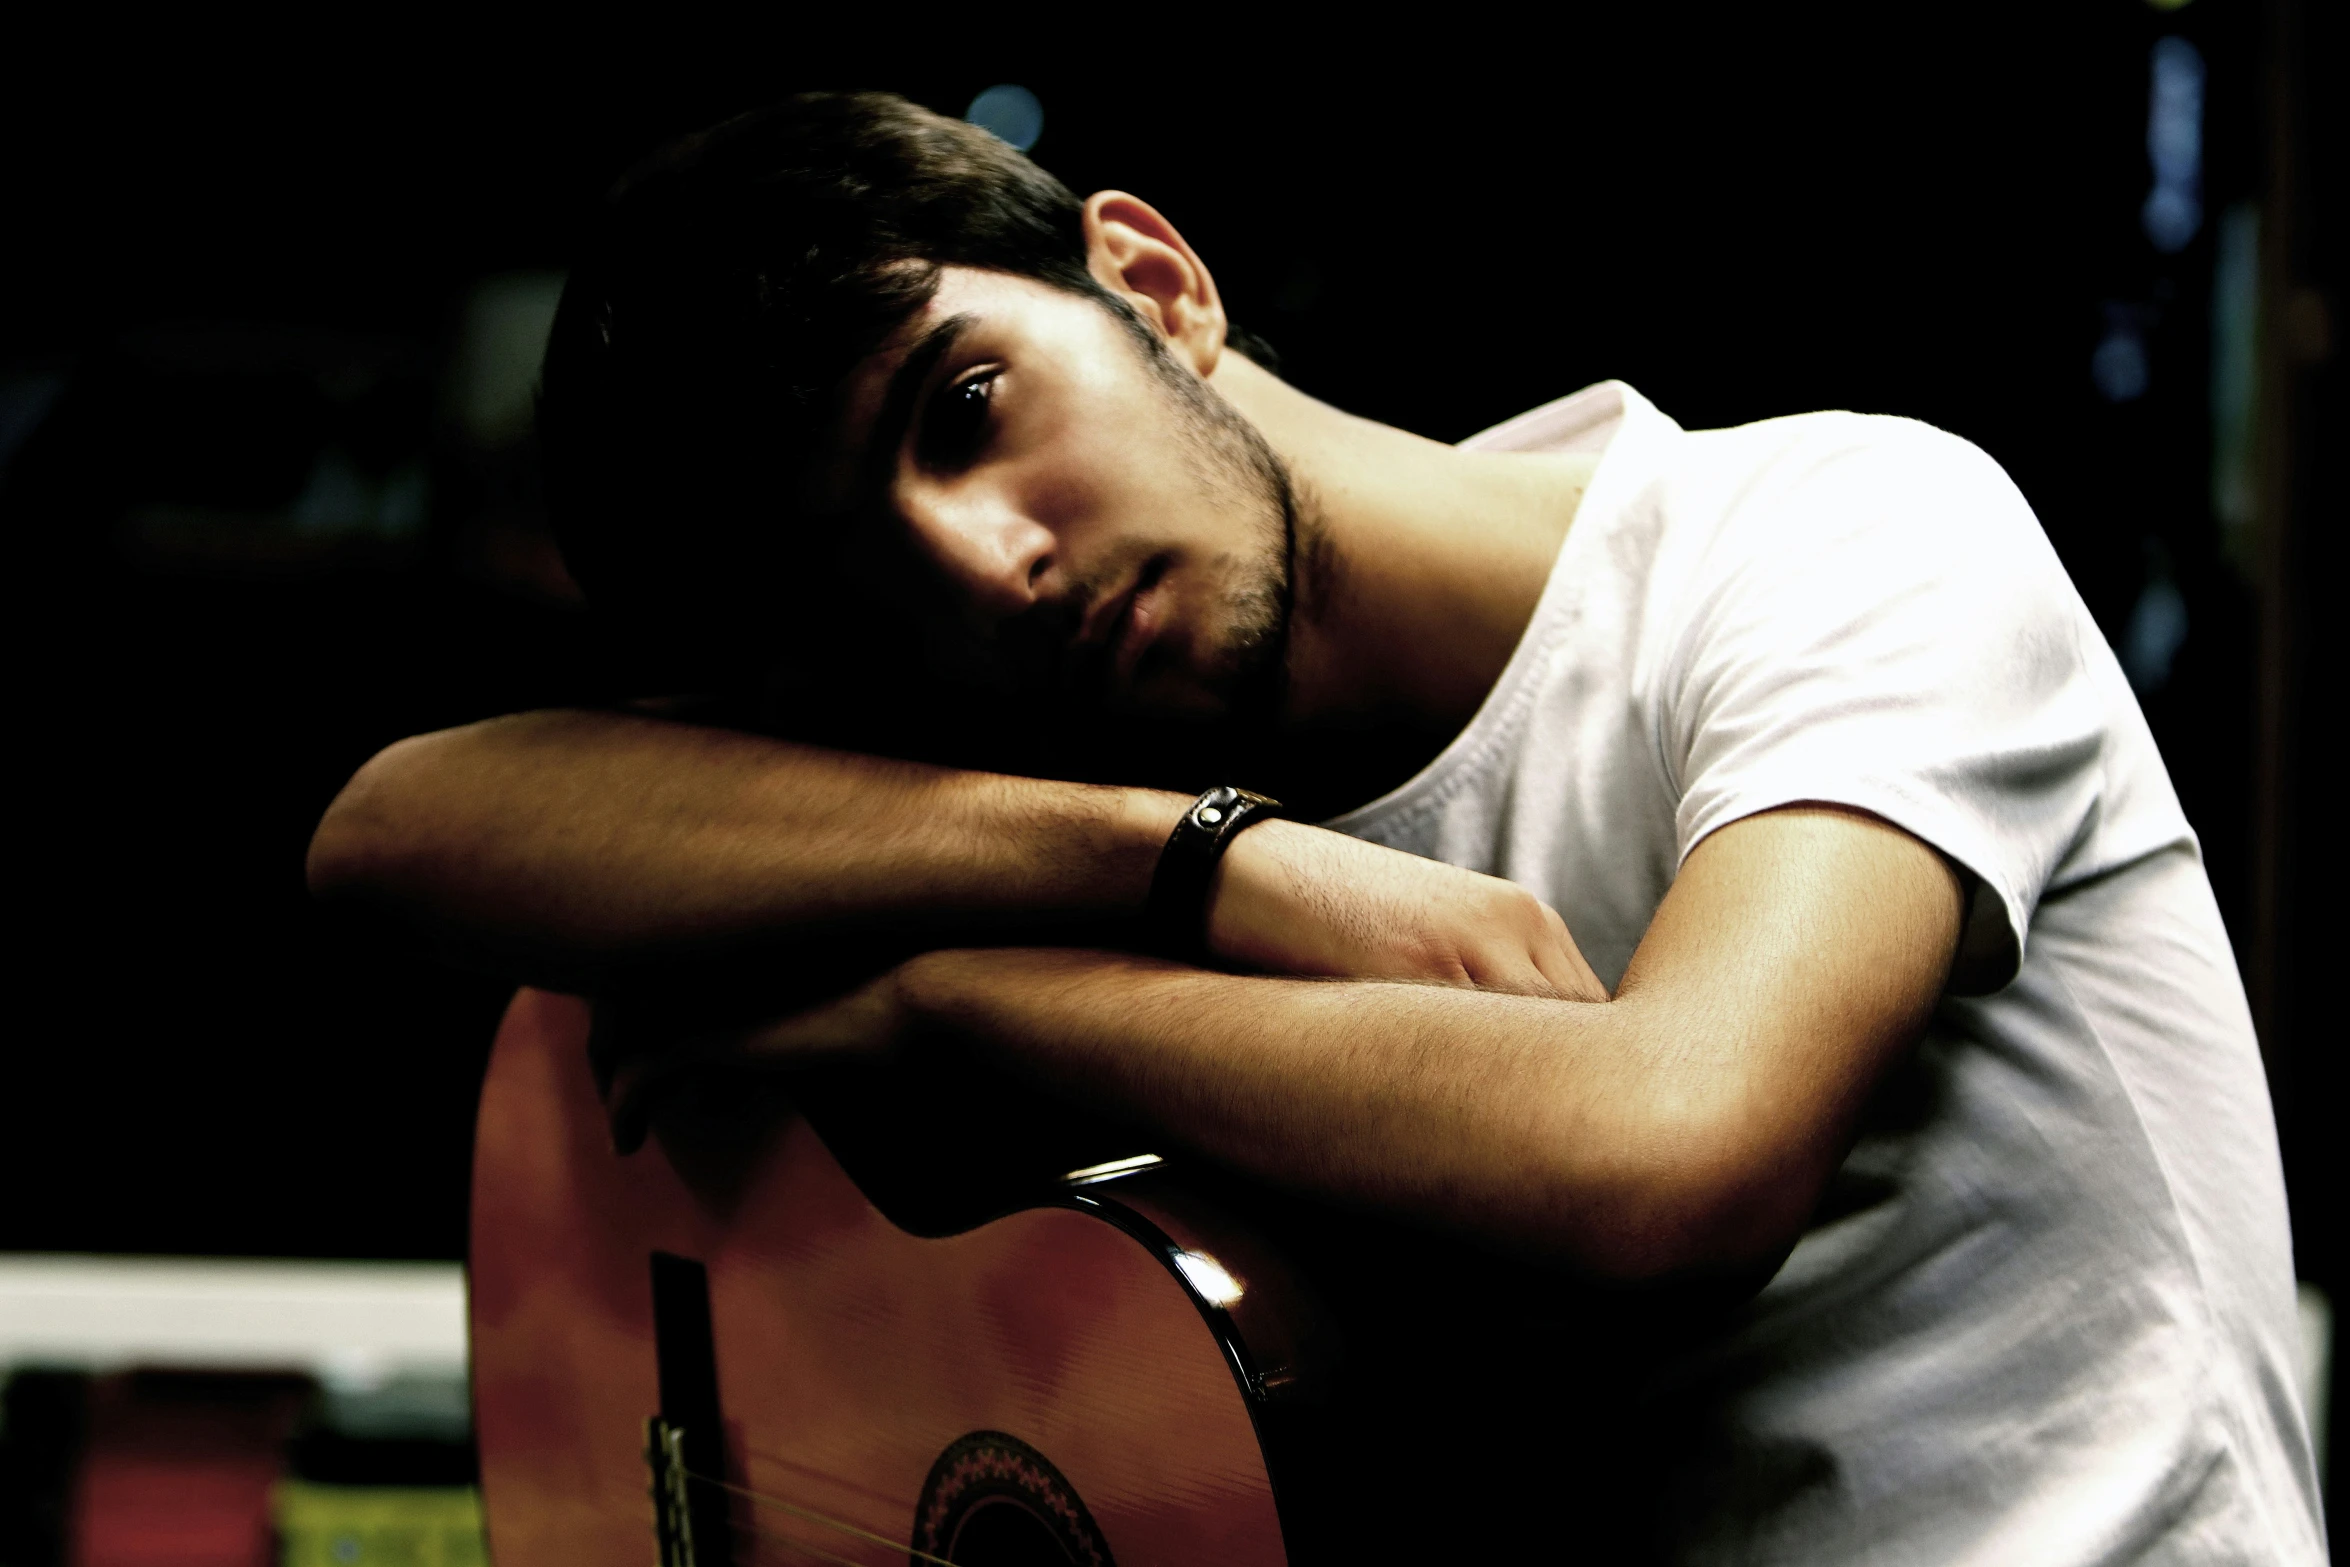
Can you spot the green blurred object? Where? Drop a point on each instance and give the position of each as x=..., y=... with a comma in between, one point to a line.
x=378, y=1525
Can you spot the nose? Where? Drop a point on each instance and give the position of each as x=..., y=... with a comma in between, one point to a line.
x=993, y=556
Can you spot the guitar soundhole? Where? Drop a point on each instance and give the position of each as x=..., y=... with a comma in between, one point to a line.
x=994, y=1501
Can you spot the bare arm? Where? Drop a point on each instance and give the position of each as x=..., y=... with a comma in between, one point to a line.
x=1688, y=1124
x=564, y=846
x=584, y=836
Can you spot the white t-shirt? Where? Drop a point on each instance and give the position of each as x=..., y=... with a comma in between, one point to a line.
x=2046, y=1312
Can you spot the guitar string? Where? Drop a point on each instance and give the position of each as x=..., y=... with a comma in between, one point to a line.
x=778, y=1461
x=797, y=1544
x=793, y=1542
x=760, y=1498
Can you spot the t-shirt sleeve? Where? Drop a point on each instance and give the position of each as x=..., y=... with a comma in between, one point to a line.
x=1880, y=623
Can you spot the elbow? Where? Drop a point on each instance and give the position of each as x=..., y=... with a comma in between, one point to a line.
x=363, y=838
x=339, y=848
x=1694, y=1199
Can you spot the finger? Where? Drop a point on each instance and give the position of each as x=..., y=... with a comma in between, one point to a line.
x=1571, y=977
x=1563, y=964
x=1539, y=982
x=1510, y=967
x=1551, y=961
x=1576, y=981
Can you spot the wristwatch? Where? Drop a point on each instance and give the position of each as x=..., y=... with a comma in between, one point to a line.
x=1176, y=913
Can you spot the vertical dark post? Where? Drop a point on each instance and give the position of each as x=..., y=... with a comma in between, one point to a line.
x=687, y=1355
x=2294, y=949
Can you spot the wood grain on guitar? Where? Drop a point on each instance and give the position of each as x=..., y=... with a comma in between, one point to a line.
x=1081, y=1378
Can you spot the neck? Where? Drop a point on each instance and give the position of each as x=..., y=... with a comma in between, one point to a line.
x=1419, y=567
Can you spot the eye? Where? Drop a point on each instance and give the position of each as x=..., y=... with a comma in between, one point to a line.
x=954, y=429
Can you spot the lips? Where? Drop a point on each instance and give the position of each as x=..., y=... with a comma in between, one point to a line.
x=1117, y=629
x=1138, y=622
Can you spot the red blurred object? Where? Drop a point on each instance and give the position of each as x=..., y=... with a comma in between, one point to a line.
x=179, y=1469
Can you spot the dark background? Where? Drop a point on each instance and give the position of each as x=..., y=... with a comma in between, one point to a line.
x=266, y=518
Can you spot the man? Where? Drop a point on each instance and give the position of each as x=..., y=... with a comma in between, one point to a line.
x=1884, y=939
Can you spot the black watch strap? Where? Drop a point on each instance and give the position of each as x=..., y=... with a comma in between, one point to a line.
x=1177, y=913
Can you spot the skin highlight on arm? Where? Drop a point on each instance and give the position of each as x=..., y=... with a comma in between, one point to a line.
x=588, y=839
x=1687, y=1126
x=573, y=849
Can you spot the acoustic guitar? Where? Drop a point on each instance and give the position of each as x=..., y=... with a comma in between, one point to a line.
x=925, y=1319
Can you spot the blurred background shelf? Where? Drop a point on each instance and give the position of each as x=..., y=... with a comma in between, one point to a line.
x=172, y=1412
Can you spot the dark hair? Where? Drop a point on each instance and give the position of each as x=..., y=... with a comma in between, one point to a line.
x=731, y=282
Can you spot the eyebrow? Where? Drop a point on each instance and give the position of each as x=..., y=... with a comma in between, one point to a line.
x=905, y=387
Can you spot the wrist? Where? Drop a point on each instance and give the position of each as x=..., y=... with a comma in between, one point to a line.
x=926, y=986
x=1147, y=818
x=1250, y=886
x=1184, y=887
x=1050, y=851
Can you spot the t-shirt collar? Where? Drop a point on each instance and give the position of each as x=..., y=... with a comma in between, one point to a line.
x=1628, y=431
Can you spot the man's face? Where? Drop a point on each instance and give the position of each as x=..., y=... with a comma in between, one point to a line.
x=1046, y=510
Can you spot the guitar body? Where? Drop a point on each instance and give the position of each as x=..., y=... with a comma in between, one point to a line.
x=947, y=1352
x=850, y=1356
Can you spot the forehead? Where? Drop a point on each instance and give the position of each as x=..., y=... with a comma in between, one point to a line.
x=978, y=309
x=989, y=303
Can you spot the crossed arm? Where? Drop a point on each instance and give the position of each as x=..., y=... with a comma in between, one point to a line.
x=1416, y=1038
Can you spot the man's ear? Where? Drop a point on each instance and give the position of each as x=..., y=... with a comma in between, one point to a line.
x=1136, y=254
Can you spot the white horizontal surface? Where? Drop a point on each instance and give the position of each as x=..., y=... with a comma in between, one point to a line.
x=349, y=1322
x=360, y=1323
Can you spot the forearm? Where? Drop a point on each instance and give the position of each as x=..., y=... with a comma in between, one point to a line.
x=1687, y=1125
x=1572, y=1132
x=576, y=839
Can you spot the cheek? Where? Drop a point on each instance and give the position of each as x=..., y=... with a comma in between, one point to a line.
x=1101, y=479
x=1072, y=492
x=1105, y=464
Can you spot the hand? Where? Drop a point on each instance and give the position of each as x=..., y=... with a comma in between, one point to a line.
x=1294, y=899
x=640, y=1070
